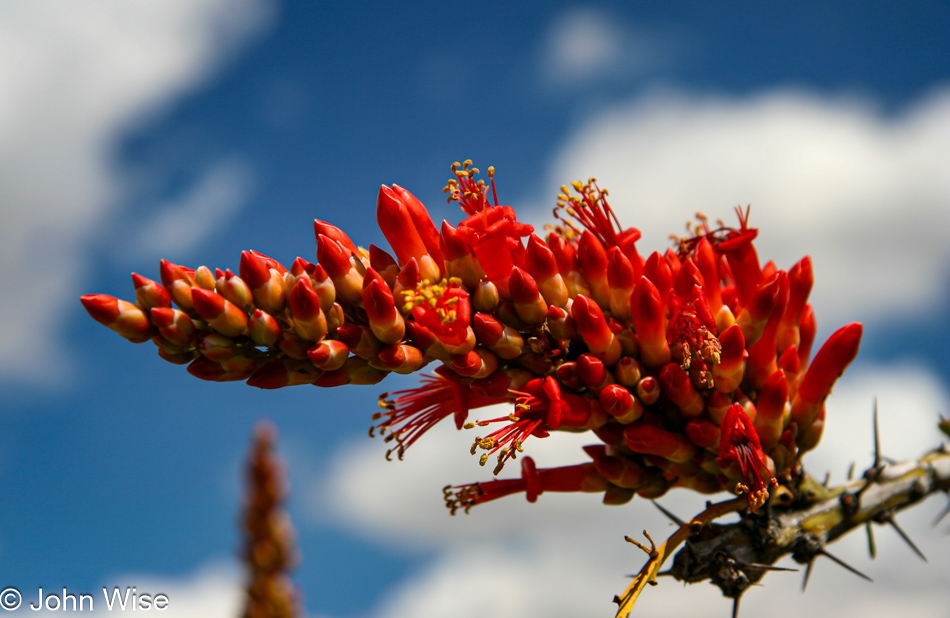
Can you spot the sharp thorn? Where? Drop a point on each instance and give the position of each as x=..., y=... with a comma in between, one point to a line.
x=827, y=480
x=807, y=575
x=877, y=438
x=676, y=520
x=872, y=547
x=851, y=471
x=941, y=515
x=768, y=567
x=842, y=563
x=666, y=573
x=735, y=607
x=893, y=522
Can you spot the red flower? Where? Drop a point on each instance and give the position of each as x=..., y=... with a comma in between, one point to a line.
x=442, y=308
x=415, y=411
x=740, y=443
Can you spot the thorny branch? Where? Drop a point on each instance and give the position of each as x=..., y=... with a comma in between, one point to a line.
x=801, y=519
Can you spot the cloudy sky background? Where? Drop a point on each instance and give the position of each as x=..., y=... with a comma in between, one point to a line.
x=194, y=129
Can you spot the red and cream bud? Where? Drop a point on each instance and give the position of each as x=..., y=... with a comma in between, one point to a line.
x=266, y=283
x=771, y=409
x=221, y=315
x=322, y=228
x=529, y=304
x=501, y=339
x=620, y=404
x=400, y=358
x=384, y=319
x=649, y=439
x=119, y=315
x=329, y=354
x=149, y=294
x=263, y=329
x=310, y=322
x=178, y=280
x=728, y=373
x=593, y=328
x=678, y=387
x=174, y=325
x=540, y=263
x=622, y=280
x=345, y=270
x=592, y=259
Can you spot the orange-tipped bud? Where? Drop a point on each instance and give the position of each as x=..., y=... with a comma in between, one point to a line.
x=593, y=328
x=329, y=354
x=266, y=283
x=361, y=341
x=703, y=433
x=646, y=305
x=384, y=264
x=621, y=471
x=221, y=315
x=830, y=362
x=592, y=259
x=800, y=281
x=503, y=340
x=622, y=280
x=560, y=324
x=727, y=374
x=217, y=347
x=283, y=372
x=627, y=372
x=592, y=372
x=178, y=280
x=322, y=228
x=761, y=362
x=344, y=269
x=479, y=363
x=754, y=316
x=648, y=439
x=310, y=322
x=400, y=358
x=263, y=329
x=771, y=409
x=620, y=404
x=678, y=387
x=387, y=324
x=174, y=325
x=657, y=270
x=119, y=315
x=807, y=329
x=235, y=290
x=648, y=390
x=530, y=306
x=460, y=262
x=707, y=262
x=204, y=369
x=204, y=278
x=422, y=222
x=149, y=294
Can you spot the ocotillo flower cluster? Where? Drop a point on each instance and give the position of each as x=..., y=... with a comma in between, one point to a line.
x=691, y=367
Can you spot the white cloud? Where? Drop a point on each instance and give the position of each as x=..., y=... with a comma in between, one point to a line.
x=74, y=77
x=864, y=193
x=564, y=555
x=583, y=45
x=183, y=222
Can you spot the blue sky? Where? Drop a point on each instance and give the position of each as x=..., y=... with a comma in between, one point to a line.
x=192, y=130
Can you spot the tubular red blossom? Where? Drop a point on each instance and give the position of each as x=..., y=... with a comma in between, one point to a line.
x=593, y=328
x=621, y=279
x=737, y=246
x=534, y=482
x=800, y=281
x=755, y=315
x=529, y=304
x=692, y=334
x=411, y=413
x=591, y=210
x=539, y=408
x=807, y=329
x=707, y=262
x=740, y=443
